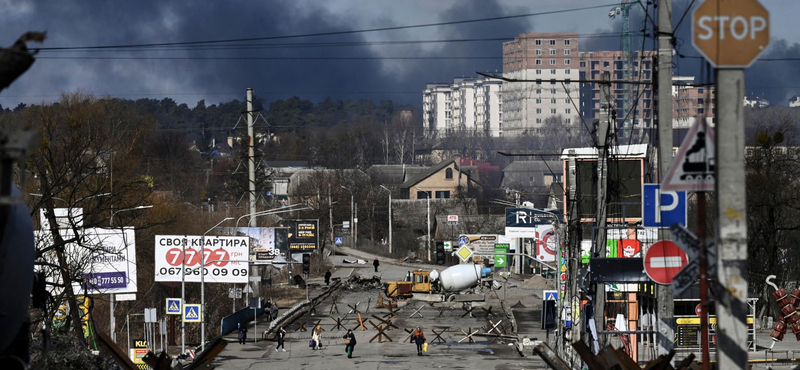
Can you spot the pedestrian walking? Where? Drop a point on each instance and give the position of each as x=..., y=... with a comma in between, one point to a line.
x=419, y=339
x=376, y=264
x=274, y=310
x=242, y=333
x=316, y=337
x=268, y=309
x=349, y=343
x=328, y=277
x=281, y=335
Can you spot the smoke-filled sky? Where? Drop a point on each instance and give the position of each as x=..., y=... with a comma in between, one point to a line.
x=196, y=74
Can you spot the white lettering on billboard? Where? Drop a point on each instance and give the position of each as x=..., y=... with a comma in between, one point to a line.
x=225, y=258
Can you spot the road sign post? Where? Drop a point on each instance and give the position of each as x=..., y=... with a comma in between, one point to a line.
x=730, y=34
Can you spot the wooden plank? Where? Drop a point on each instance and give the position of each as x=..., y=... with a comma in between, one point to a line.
x=122, y=359
x=626, y=361
x=550, y=357
x=609, y=354
x=686, y=362
x=587, y=356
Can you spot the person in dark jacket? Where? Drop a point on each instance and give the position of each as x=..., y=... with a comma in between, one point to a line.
x=376, y=264
x=242, y=335
x=419, y=339
x=350, y=343
x=328, y=277
x=281, y=335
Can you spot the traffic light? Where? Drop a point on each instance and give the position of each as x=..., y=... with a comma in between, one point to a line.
x=440, y=258
x=306, y=263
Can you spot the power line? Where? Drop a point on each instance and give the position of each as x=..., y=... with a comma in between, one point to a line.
x=275, y=58
x=332, y=33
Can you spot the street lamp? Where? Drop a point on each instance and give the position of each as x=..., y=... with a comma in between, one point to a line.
x=352, y=221
x=203, y=282
x=390, y=218
x=428, y=196
x=112, y=325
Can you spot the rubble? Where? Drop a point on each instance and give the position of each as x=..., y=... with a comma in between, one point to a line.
x=412, y=260
x=359, y=283
x=354, y=261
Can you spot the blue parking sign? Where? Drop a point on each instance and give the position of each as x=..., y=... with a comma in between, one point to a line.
x=339, y=241
x=661, y=208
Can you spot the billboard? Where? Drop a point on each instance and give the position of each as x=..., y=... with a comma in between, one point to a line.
x=303, y=235
x=106, y=259
x=226, y=258
x=524, y=222
x=268, y=244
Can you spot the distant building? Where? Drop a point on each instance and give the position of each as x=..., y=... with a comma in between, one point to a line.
x=540, y=56
x=688, y=102
x=755, y=102
x=592, y=67
x=468, y=104
x=794, y=101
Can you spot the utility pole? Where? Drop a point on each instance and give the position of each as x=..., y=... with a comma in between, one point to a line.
x=330, y=218
x=731, y=222
x=604, y=128
x=574, y=236
x=666, y=307
x=251, y=173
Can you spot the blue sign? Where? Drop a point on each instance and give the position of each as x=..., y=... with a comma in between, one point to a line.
x=550, y=295
x=339, y=241
x=662, y=208
x=106, y=280
x=173, y=306
x=462, y=241
x=269, y=193
x=191, y=313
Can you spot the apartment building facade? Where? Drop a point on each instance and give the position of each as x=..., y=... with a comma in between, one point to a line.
x=689, y=102
x=468, y=104
x=551, y=61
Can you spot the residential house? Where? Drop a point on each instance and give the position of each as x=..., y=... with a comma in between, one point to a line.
x=442, y=181
x=794, y=102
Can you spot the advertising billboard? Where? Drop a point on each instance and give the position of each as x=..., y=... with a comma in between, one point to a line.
x=268, y=244
x=106, y=259
x=226, y=258
x=303, y=235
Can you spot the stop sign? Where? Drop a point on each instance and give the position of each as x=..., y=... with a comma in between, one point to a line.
x=730, y=33
x=663, y=260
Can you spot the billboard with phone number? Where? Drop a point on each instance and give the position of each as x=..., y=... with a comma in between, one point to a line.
x=226, y=258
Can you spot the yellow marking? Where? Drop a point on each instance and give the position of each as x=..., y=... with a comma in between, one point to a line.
x=730, y=212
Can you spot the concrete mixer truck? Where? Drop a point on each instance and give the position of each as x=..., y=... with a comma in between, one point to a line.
x=435, y=286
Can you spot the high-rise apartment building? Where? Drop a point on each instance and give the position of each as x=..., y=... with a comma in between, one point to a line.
x=541, y=57
x=468, y=104
x=689, y=102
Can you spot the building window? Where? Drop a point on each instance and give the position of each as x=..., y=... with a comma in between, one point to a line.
x=538, y=51
x=538, y=120
x=605, y=64
x=566, y=51
x=538, y=62
x=566, y=42
x=567, y=62
x=538, y=91
x=538, y=71
x=423, y=194
x=566, y=71
x=568, y=111
x=538, y=110
x=552, y=62
x=538, y=42
x=442, y=195
x=568, y=120
x=538, y=101
x=553, y=111
x=448, y=173
x=583, y=64
x=552, y=51
x=552, y=101
x=552, y=91
x=553, y=42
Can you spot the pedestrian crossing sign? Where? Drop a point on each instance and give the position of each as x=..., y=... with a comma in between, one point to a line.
x=339, y=241
x=173, y=306
x=192, y=313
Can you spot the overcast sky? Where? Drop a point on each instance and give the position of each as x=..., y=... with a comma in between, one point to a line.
x=91, y=23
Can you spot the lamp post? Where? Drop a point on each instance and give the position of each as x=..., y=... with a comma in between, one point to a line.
x=112, y=323
x=352, y=222
x=428, y=196
x=203, y=284
x=390, y=218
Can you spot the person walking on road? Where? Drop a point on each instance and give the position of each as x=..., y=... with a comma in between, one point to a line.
x=419, y=339
x=274, y=310
x=281, y=335
x=376, y=264
x=242, y=334
x=316, y=336
x=328, y=277
x=349, y=343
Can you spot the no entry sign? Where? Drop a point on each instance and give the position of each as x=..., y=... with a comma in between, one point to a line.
x=663, y=260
